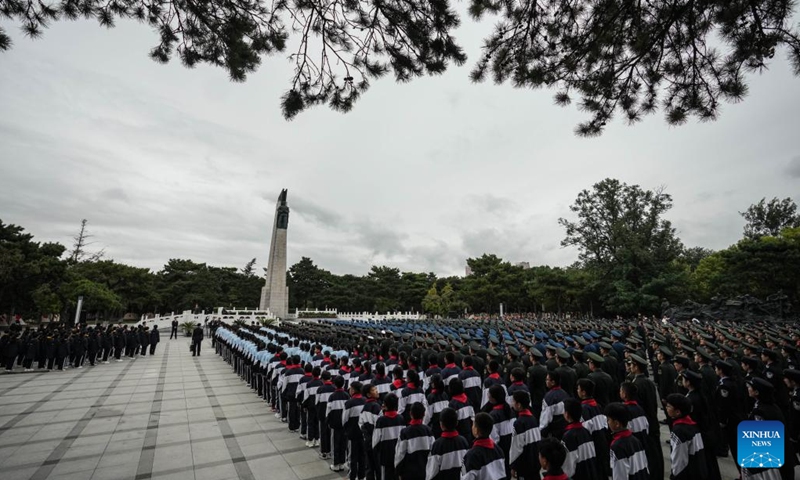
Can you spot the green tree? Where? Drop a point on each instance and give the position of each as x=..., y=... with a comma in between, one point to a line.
x=770, y=218
x=623, y=238
x=432, y=303
x=628, y=58
x=249, y=268
x=29, y=272
x=308, y=284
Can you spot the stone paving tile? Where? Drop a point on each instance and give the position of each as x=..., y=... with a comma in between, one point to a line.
x=122, y=433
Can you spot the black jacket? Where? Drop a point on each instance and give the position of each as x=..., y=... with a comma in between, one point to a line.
x=197, y=335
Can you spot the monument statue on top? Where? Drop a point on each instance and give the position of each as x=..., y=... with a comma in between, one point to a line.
x=275, y=294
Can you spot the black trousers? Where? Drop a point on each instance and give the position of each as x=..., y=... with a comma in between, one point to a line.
x=42, y=362
x=373, y=465
x=9, y=363
x=313, y=424
x=339, y=446
x=196, y=348
x=358, y=458
x=303, y=420
x=173, y=333
x=143, y=349
x=324, y=437
x=27, y=362
x=106, y=353
x=153, y=348
x=294, y=413
x=51, y=362
x=388, y=472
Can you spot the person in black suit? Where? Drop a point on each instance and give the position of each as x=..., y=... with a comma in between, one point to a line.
x=197, y=339
x=174, y=332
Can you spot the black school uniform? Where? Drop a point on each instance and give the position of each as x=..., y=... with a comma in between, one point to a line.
x=484, y=461
x=524, y=455
x=446, y=457
x=582, y=462
x=628, y=459
x=687, y=452
x=413, y=448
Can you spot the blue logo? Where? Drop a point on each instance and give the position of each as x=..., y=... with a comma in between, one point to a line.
x=760, y=444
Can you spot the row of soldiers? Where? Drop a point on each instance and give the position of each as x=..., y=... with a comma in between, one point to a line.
x=56, y=347
x=554, y=376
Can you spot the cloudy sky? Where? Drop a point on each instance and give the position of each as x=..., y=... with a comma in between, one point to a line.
x=167, y=162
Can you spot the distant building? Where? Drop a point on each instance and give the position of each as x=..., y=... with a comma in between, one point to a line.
x=525, y=265
x=468, y=271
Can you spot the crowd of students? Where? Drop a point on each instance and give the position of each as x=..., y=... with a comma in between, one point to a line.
x=394, y=416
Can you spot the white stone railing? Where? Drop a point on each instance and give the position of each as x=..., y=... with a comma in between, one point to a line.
x=378, y=316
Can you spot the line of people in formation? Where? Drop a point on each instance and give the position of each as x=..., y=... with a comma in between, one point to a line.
x=388, y=418
x=59, y=347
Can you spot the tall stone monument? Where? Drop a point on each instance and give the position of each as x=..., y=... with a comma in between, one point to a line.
x=275, y=294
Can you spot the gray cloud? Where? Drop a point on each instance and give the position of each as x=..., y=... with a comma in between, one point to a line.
x=167, y=162
x=793, y=169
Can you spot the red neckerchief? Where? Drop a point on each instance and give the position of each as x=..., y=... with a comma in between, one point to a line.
x=589, y=401
x=524, y=413
x=357, y=370
x=460, y=398
x=283, y=362
x=620, y=435
x=555, y=388
x=390, y=413
x=398, y=383
x=469, y=368
x=631, y=402
x=372, y=400
x=307, y=374
x=499, y=406
x=379, y=377
x=494, y=375
x=392, y=357
x=562, y=476
x=483, y=442
x=327, y=383
x=340, y=389
x=357, y=395
x=345, y=369
x=452, y=434
x=416, y=421
x=517, y=383
x=434, y=392
x=316, y=378
x=687, y=420
x=450, y=365
x=411, y=385
x=573, y=426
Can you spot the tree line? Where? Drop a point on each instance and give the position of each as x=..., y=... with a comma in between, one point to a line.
x=630, y=261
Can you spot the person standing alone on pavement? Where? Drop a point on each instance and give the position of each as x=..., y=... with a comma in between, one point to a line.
x=197, y=339
x=174, y=332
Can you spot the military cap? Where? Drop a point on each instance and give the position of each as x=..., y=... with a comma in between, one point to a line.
x=693, y=377
x=474, y=345
x=752, y=362
x=596, y=358
x=512, y=351
x=760, y=385
x=637, y=359
x=792, y=374
x=727, y=349
x=465, y=336
x=492, y=352
x=682, y=359
x=704, y=353
x=605, y=345
x=616, y=333
x=493, y=339
x=536, y=353
x=526, y=343
x=772, y=354
x=552, y=348
x=581, y=341
x=724, y=365
x=689, y=349
x=442, y=343
x=429, y=341
x=458, y=344
x=666, y=351
x=562, y=353
x=578, y=354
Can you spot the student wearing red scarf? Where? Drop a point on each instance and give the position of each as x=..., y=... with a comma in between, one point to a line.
x=447, y=452
x=686, y=450
x=384, y=439
x=414, y=445
x=552, y=455
x=485, y=460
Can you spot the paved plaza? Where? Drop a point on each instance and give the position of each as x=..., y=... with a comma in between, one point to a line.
x=170, y=417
